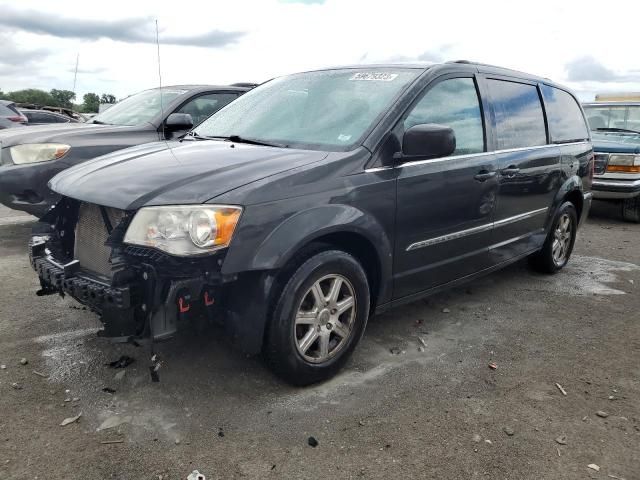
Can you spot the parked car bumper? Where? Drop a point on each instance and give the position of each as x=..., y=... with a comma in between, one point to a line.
x=24, y=187
x=615, y=188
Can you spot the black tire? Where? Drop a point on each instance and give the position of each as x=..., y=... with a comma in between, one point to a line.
x=631, y=209
x=544, y=260
x=282, y=349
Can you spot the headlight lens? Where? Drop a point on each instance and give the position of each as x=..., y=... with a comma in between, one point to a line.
x=626, y=163
x=184, y=230
x=38, y=152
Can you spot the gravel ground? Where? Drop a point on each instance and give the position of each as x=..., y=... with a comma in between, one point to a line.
x=436, y=411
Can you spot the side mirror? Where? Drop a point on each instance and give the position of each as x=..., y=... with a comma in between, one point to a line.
x=428, y=141
x=179, y=121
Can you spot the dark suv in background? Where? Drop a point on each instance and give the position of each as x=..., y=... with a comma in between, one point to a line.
x=319, y=198
x=616, y=141
x=30, y=157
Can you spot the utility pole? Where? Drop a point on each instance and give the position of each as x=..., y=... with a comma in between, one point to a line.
x=75, y=75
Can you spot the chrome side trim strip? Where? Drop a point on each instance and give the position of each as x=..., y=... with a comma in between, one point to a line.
x=449, y=236
x=472, y=231
x=517, y=218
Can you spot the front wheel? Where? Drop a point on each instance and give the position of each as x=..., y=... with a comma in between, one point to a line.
x=318, y=319
x=558, y=246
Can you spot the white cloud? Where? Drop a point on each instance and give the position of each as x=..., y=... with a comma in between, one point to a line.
x=278, y=37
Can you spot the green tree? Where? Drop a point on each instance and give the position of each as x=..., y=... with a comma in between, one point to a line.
x=91, y=103
x=63, y=98
x=107, y=98
x=31, y=95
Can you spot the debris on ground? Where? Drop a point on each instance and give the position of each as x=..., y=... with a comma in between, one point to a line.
x=40, y=374
x=509, y=431
x=476, y=438
x=446, y=310
x=396, y=351
x=593, y=466
x=220, y=432
x=421, y=340
x=562, y=440
x=493, y=366
x=558, y=450
x=123, y=362
x=616, y=478
x=602, y=414
x=120, y=375
x=3, y=367
x=562, y=390
x=196, y=475
x=109, y=390
x=154, y=367
x=113, y=421
x=109, y=442
x=312, y=442
x=69, y=420
x=16, y=386
x=611, y=397
x=488, y=441
x=24, y=361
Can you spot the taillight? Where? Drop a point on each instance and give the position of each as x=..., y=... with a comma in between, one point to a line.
x=18, y=118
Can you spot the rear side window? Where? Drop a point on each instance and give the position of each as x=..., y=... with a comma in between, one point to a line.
x=6, y=111
x=453, y=103
x=566, y=123
x=518, y=114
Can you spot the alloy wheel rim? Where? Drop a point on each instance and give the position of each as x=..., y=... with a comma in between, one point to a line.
x=561, y=240
x=325, y=318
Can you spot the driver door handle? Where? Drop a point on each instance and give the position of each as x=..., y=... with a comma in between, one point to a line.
x=484, y=175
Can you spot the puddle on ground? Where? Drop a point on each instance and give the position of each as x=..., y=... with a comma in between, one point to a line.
x=588, y=276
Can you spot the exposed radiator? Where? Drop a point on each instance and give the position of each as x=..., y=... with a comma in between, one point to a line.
x=91, y=235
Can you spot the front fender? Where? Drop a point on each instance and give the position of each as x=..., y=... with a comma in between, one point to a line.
x=290, y=235
x=304, y=227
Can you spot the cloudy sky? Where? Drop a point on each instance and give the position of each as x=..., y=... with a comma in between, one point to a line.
x=579, y=43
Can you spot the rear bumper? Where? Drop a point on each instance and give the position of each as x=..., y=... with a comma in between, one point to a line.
x=615, y=189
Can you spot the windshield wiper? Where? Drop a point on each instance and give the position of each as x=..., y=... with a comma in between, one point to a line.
x=98, y=122
x=196, y=136
x=250, y=141
x=621, y=130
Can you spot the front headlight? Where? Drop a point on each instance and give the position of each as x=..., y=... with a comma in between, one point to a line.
x=38, y=152
x=624, y=162
x=184, y=230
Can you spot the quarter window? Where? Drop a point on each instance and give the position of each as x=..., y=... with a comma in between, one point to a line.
x=566, y=123
x=518, y=114
x=453, y=103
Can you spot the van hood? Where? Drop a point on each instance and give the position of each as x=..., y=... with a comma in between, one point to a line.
x=73, y=134
x=175, y=173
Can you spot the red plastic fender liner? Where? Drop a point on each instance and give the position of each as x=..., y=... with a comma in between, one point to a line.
x=183, y=307
x=208, y=301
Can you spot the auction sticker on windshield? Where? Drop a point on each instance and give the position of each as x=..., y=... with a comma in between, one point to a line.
x=374, y=76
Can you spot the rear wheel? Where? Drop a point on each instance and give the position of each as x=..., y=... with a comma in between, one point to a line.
x=631, y=209
x=558, y=246
x=318, y=319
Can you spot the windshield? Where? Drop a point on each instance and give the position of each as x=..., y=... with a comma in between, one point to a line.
x=327, y=110
x=622, y=117
x=137, y=109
